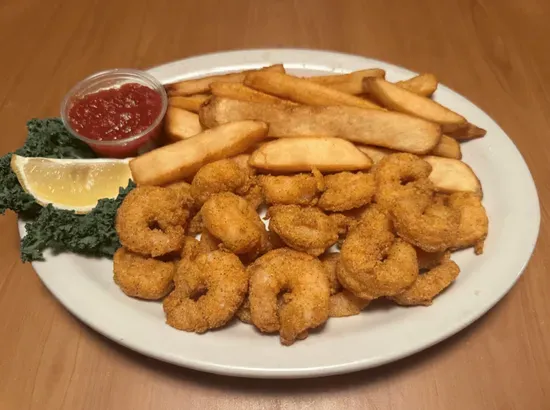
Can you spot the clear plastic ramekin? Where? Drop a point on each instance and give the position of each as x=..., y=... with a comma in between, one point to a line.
x=130, y=146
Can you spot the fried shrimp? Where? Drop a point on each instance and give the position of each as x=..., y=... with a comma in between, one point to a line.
x=254, y=196
x=304, y=229
x=428, y=285
x=243, y=313
x=242, y=161
x=224, y=175
x=209, y=291
x=342, y=302
x=400, y=175
x=195, y=225
x=183, y=189
x=208, y=242
x=300, y=189
x=431, y=225
x=346, y=190
x=300, y=282
x=142, y=277
x=191, y=248
x=474, y=223
x=330, y=263
x=151, y=221
x=373, y=262
x=235, y=222
x=343, y=222
x=428, y=260
x=345, y=303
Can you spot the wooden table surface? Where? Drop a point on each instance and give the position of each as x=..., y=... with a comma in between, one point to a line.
x=495, y=52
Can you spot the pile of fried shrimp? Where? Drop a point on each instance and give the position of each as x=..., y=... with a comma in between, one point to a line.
x=333, y=244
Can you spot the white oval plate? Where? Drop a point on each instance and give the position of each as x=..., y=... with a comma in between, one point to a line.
x=377, y=336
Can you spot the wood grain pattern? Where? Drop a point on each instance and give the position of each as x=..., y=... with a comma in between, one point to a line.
x=493, y=51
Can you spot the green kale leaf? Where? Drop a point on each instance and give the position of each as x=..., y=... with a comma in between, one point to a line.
x=92, y=234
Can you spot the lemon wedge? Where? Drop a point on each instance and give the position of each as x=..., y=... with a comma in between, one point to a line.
x=73, y=184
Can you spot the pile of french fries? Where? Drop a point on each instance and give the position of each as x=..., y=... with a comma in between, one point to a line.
x=343, y=122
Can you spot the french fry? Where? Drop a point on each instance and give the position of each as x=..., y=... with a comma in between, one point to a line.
x=238, y=91
x=422, y=84
x=303, y=91
x=398, y=99
x=447, y=147
x=202, y=85
x=468, y=132
x=371, y=127
x=351, y=83
x=305, y=154
x=451, y=175
x=182, y=159
x=448, y=175
x=191, y=103
x=375, y=153
x=180, y=124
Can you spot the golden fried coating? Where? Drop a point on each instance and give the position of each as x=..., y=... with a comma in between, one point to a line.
x=195, y=225
x=304, y=229
x=373, y=262
x=345, y=303
x=399, y=175
x=330, y=263
x=254, y=196
x=431, y=226
x=151, y=220
x=300, y=281
x=209, y=291
x=342, y=302
x=142, y=277
x=242, y=161
x=347, y=190
x=235, y=222
x=429, y=260
x=184, y=189
x=474, y=223
x=300, y=189
x=343, y=222
x=191, y=248
x=208, y=242
x=428, y=285
x=243, y=313
x=224, y=175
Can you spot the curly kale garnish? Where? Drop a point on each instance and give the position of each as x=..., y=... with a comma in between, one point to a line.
x=92, y=234
x=49, y=138
x=12, y=196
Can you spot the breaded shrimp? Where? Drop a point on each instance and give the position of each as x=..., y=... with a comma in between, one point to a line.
x=474, y=223
x=224, y=175
x=151, y=220
x=400, y=175
x=235, y=223
x=300, y=281
x=428, y=285
x=347, y=190
x=208, y=292
x=300, y=189
x=342, y=302
x=142, y=277
x=373, y=262
x=304, y=229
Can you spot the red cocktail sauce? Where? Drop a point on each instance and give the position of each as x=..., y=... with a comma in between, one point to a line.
x=116, y=115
